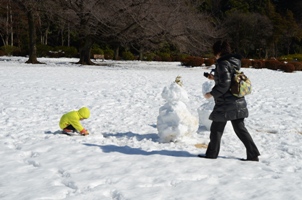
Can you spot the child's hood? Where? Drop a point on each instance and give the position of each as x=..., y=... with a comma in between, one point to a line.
x=84, y=112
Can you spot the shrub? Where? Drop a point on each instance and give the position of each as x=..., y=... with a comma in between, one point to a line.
x=209, y=61
x=108, y=54
x=164, y=56
x=282, y=66
x=297, y=57
x=192, y=61
x=284, y=58
x=208, y=55
x=2, y=53
x=298, y=65
x=67, y=51
x=96, y=50
x=287, y=67
x=9, y=50
x=44, y=50
x=178, y=57
x=257, y=64
x=291, y=57
x=246, y=63
x=127, y=55
x=149, y=56
x=18, y=52
x=157, y=58
x=272, y=64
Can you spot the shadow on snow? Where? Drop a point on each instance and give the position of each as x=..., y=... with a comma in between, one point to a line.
x=137, y=151
x=139, y=137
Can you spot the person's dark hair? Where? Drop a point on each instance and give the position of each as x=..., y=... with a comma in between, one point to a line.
x=222, y=47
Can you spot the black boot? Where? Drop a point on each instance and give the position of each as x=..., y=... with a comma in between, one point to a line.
x=204, y=156
x=251, y=159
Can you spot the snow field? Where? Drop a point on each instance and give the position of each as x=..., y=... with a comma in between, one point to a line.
x=122, y=158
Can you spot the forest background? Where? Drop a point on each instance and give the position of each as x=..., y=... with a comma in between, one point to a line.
x=161, y=30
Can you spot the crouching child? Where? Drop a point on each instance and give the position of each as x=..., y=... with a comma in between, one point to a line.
x=70, y=122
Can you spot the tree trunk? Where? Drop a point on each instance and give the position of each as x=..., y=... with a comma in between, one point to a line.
x=46, y=35
x=85, y=52
x=116, y=53
x=11, y=26
x=7, y=25
x=62, y=37
x=68, y=35
x=141, y=54
x=32, y=39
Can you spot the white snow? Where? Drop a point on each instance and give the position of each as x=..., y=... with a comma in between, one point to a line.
x=206, y=108
x=175, y=122
x=123, y=157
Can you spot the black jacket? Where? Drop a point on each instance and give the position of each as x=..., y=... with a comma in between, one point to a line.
x=227, y=106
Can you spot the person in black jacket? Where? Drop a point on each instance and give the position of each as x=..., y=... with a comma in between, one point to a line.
x=227, y=106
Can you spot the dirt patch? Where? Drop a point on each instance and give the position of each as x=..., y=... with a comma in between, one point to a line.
x=201, y=146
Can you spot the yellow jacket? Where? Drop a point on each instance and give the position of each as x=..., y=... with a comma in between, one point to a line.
x=73, y=118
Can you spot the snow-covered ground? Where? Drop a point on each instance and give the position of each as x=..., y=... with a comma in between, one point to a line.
x=122, y=158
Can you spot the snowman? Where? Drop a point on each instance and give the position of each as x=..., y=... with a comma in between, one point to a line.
x=206, y=108
x=175, y=120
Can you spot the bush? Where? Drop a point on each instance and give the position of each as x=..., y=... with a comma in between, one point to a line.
x=272, y=64
x=284, y=58
x=2, y=53
x=127, y=55
x=149, y=56
x=257, y=64
x=108, y=54
x=298, y=65
x=9, y=50
x=287, y=67
x=18, y=52
x=246, y=63
x=192, y=61
x=44, y=50
x=96, y=50
x=67, y=51
x=209, y=61
x=164, y=56
x=291, y=57
x=178, y=57
x=157, y=58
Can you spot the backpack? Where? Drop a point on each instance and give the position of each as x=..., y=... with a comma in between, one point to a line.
x=240, y=84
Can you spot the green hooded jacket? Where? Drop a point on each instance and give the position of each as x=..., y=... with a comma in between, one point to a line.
x=73, y=118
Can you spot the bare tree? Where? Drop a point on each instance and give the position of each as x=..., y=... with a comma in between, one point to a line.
x=145, y=24
x=6, y=23
x=30, y=7
x=142, y=24
x=79, y=15
x=194, y=31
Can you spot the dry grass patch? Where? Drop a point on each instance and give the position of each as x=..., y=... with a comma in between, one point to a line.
x=201, y=146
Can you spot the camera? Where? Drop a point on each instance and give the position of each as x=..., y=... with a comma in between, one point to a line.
x=206, y=74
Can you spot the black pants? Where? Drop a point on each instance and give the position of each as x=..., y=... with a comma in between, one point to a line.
x=217, y=129
x=70, y=127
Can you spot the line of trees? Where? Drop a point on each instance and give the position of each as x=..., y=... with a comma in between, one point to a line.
x=260, y=29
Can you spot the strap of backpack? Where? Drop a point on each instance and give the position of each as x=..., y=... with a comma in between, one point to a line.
x=232, y=68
